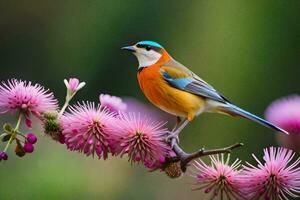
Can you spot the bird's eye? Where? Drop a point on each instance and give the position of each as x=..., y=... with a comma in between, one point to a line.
x=148, y=48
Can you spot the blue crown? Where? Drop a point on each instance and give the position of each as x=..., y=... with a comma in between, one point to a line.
x=150, y=43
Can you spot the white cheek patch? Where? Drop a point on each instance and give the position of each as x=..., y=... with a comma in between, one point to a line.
x=147, y=58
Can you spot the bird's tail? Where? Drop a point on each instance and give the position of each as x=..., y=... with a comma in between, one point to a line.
x=234, y=110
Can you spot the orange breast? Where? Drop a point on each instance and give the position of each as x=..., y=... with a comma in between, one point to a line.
x=166, y=97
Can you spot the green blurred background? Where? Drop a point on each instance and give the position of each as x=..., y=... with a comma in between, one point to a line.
x=248, y=50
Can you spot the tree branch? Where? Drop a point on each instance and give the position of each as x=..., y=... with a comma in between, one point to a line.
x=186, y=158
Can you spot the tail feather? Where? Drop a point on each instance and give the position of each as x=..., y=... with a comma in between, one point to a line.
x=240, y=112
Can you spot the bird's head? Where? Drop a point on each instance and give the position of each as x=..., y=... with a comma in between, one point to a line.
x=147, y=52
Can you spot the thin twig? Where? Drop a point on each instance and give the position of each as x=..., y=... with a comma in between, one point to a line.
x=186, y=158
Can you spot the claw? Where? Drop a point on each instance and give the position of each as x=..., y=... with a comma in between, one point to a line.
x=172, y=138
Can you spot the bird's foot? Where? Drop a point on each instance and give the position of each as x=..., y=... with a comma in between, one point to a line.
x=172, y=138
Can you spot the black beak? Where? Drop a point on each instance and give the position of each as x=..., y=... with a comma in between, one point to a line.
x=129, y=48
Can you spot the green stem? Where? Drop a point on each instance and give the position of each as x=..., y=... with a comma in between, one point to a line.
x=63, y=108
x=18, y=123
x=14, y=133
x=66, y=104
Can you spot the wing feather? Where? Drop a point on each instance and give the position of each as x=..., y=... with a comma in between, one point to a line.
x=182, y=78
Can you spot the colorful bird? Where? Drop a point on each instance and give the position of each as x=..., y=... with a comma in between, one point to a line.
x=175, y=89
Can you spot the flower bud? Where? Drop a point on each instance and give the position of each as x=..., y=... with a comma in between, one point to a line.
x=19, y=149
x=31, y=138
x=28, y=148
x=173, y=170
x=3, y=155
x=50, y=115
x=28, y=122
x=73, y=85
x=51, y=125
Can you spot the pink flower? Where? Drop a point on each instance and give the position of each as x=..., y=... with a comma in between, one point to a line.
x=83, y=129
x=73, y=85
x=142, y=139
x=220, y=179
x=112, y=103
x=18, y=95
x=136, y=106
x=285, y=112
x=277, y=178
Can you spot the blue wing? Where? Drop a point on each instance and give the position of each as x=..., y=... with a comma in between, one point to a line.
x=181, y=78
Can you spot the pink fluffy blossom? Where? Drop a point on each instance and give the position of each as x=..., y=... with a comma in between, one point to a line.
x=278, y=177
x=112, y=103
x=285, y=112
x=18, y=95
x=136, y=106
x=219, y=179
x=83, y=129
x=141, y=139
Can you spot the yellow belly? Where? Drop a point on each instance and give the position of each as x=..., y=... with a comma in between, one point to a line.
x=170, y=99
x=178, y=103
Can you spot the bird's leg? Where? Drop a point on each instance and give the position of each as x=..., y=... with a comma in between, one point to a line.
x=173, y=136
x=178, y=121
x=169, y=136
x=181, y=126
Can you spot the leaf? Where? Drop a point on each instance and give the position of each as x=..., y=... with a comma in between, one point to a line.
x=6, y=138
x=8, y=128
